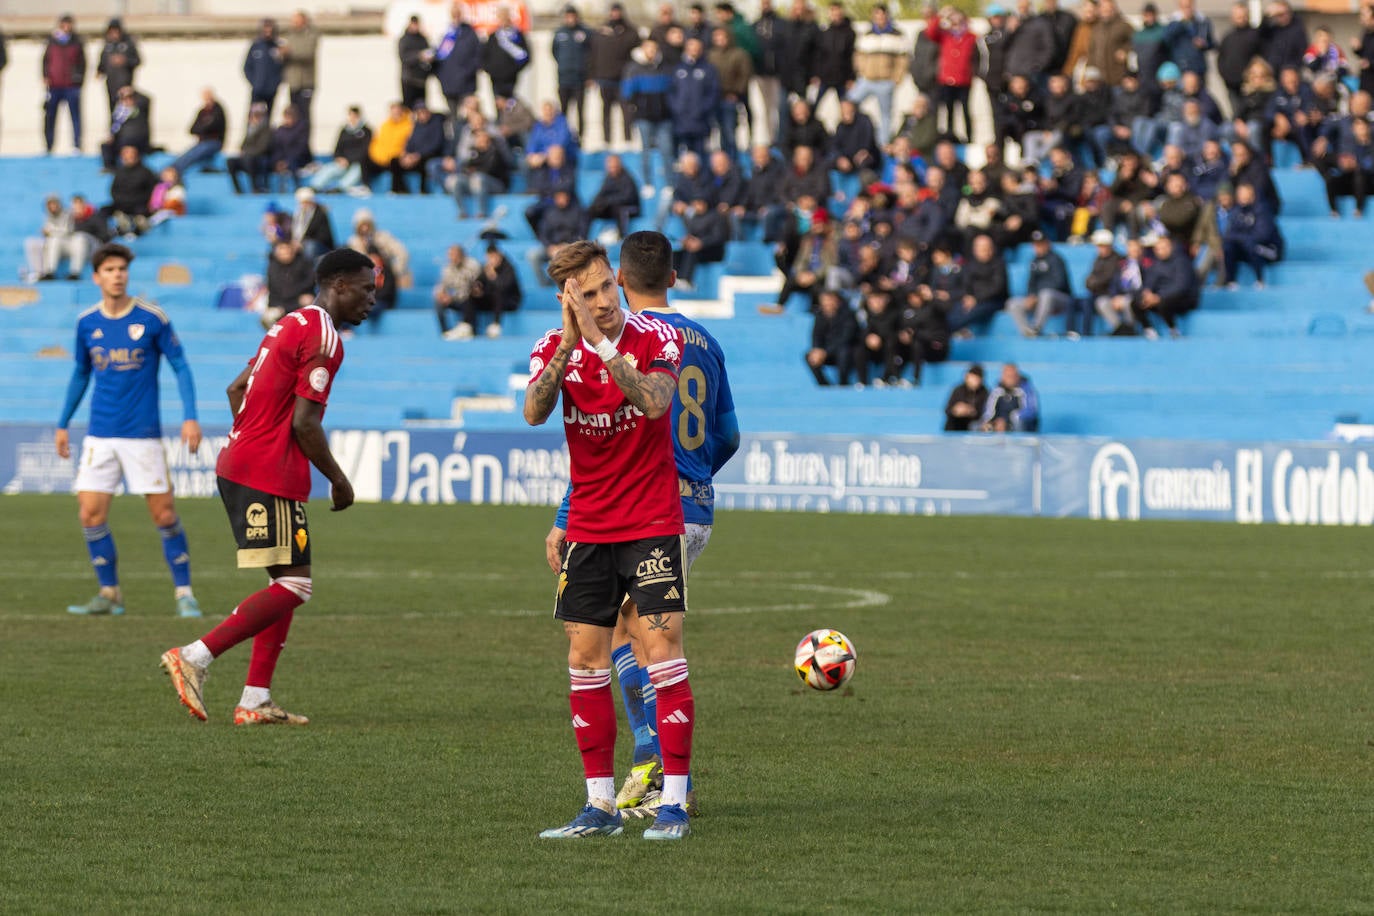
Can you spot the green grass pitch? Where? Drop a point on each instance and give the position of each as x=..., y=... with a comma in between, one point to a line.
x=1047, y=716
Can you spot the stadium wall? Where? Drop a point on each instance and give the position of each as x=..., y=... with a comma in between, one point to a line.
x=1290, y=483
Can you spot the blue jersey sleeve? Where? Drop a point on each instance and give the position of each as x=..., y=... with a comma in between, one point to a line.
x=561, y=519
x=81, y=377
x=170, y=346
x=724, y=440
x=725, y=431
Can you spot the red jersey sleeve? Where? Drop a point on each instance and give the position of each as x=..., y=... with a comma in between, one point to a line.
x=666, y=350
x=542, y=353
x=319, y=352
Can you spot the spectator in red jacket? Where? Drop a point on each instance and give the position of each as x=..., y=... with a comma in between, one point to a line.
x=64, y=70
x=958, y=54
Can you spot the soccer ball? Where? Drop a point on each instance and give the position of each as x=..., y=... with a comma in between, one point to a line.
x=825, y=659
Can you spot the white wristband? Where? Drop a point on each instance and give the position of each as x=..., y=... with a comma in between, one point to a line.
x=606, y=350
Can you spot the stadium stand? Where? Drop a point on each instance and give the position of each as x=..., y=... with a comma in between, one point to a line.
x=1289, y=360
x=1286, y=361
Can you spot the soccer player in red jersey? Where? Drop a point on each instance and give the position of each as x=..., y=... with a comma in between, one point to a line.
x=278, y=404
x=617, y=373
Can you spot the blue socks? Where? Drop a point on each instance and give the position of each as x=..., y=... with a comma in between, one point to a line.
x=632, y=694
x=650, y=710
x=175, y=550
x=101, y=544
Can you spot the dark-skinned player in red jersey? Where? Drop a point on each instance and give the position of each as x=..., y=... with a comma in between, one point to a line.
x=278, y=404
x=617, y=373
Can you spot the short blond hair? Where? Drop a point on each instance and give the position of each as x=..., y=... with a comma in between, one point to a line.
x=574, y=258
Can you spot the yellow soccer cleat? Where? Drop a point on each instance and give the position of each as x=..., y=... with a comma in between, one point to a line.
x=643, y=777
x=189, y=681
x=268, y=713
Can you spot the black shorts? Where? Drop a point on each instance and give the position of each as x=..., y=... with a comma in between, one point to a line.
x=270, y=530
x=596, y=578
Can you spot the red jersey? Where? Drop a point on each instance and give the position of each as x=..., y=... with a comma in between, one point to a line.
x=623, y=473
x=299, y=357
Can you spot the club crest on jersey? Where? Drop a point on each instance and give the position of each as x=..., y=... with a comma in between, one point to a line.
x=135, y=331
x=319, y=380
x=671, y=352
x=576, y=357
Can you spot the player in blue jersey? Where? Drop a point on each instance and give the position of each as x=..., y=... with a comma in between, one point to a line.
x=121, y=343
x=705, y=435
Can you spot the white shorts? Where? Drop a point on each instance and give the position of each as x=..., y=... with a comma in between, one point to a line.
x=694, y=542
x=140, y=463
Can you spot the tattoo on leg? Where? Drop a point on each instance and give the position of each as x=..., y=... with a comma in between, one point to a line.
x=658, y=622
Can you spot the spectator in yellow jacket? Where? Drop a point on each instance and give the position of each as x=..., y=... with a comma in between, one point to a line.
x=388, y=140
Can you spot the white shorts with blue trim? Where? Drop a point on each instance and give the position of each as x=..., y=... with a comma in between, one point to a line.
x=140, y=463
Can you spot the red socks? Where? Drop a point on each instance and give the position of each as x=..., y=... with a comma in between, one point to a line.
x=593, y=719
x=676, y=716
x=255, y=614
x=267, y=647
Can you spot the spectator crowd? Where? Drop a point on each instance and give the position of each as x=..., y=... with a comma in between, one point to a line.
x=1102, y=132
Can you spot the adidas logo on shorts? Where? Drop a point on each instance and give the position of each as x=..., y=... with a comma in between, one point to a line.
x=673, y=594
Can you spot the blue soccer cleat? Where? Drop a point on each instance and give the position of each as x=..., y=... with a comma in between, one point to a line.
x=97, y=606
x=671, y=824
x=188, y=606
x=594, y=820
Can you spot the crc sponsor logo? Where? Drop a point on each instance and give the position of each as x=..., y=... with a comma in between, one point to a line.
x=256, y=517
x=657, y=567
x=1117, y=488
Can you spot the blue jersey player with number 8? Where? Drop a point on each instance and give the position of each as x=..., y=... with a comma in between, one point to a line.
x=705, y=435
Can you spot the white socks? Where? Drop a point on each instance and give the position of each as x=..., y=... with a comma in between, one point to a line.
x=253, y=697
x=674, y=790
x=602, y=788
x=183, y=591
x=198, y=654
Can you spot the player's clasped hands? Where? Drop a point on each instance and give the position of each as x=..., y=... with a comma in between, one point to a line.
x=572, y=333
x=581, y=313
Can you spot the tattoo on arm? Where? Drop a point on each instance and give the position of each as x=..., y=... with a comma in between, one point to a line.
x=653, y=394
x=658, y=622
x=543, y=394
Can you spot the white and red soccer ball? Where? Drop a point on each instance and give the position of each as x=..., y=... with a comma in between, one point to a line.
x=825, y=659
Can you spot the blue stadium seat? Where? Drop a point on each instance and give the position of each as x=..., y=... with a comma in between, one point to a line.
x=1285, y=361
